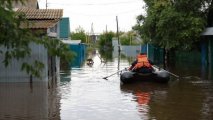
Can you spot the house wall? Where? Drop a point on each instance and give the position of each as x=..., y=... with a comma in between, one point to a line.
x=53, y=31
x=64, y=29
x=13, y=72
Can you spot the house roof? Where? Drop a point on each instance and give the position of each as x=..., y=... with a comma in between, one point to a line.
x=40, y=18
x=39, y=24
x=41, y=14
x=207, y=31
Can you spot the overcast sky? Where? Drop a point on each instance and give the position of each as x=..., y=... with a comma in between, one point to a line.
x=101, y=13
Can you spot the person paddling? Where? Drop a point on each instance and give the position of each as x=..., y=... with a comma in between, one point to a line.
x=142, y=64
x=90, y=62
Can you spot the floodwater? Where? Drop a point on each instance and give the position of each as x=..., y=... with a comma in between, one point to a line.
x=83, y=94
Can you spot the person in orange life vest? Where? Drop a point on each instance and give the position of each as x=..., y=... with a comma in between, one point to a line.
x=142, y=64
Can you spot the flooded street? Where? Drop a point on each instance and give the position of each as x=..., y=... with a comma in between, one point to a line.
x=161, y=50
x=83, y=94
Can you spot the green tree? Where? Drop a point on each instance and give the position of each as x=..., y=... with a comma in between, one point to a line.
x=105, y=45
x=79, y=34
x=129, y=38
x=14, y=41
x=105, y=41
x=173, y=24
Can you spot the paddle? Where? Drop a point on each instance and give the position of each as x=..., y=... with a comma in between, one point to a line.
x=166, y=71
x=113, y=74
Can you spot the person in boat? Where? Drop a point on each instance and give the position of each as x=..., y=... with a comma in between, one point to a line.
x=142, y=64
x=90, y=61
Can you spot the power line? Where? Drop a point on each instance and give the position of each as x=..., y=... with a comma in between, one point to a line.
x=93, y=4
x=105, y=14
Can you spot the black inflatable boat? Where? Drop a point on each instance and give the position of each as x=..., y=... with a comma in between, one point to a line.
x=157, y=75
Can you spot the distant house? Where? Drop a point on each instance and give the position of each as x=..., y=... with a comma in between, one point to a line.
x=94, y=38
x=47, y=21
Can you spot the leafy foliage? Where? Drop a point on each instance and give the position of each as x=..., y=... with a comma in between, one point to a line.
x=129, y=38
x=106, y=39
x=79, y=34
x=173, y=24
x=16, y=40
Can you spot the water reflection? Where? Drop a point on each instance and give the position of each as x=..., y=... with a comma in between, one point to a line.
x=106, y=55
x=206, y=72
x=20, y=101
x=65, y=76
x=82, y=94
x=183, y=101
x=142, y=94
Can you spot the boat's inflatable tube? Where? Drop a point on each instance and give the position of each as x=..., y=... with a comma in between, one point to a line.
x=158, y=75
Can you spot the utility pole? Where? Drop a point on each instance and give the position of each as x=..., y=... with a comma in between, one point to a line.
x=46, y=4
x=119, y=50
x=106, y=29
x=92, y=34
x=118, y=35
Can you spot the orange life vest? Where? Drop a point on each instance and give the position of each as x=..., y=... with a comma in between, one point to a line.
x=142, y=62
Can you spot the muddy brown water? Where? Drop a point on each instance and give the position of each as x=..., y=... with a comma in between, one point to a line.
x=83, y=94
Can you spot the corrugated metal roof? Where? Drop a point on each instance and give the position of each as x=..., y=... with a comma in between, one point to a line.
x=41, y=14
x=39, y=24
x=207, y=31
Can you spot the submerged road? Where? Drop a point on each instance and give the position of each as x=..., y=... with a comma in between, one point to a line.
x=83, y=94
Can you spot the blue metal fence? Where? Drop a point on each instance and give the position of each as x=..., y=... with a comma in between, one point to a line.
x=80, y=50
